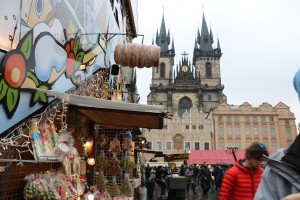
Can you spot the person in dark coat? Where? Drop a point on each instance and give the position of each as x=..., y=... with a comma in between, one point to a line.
x=160, y=178
x=205, y=175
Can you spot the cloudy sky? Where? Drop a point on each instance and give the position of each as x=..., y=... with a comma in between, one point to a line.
x=260, y=41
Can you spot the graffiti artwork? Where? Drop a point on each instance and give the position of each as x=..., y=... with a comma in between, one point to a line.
x=45, y=45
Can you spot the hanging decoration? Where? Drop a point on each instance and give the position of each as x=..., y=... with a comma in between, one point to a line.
x=137, y=55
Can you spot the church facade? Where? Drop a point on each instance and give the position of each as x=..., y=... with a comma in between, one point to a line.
x=188, y=91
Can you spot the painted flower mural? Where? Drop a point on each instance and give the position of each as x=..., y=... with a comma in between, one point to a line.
x=38, y=65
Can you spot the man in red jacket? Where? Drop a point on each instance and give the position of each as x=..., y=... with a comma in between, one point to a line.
x=241, y=181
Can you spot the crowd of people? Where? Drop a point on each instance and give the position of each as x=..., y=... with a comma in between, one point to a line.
x=257, y=176
x=203, y=176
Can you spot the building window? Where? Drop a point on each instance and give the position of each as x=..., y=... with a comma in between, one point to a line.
x=168, y=146
x=184, y=105
x=187, y=146
x=238, y=143
x=208, y=71
x=271, y=119
x=272, y=131
x=255, y=130
x=149, y=145
x=287, y=122
x=197, y=145
x=229, y=131
x=264, y=131
x=165, y=126
x=263, y=118
x=194, y=126
x=248, y=142
x=288, y=134
x=236, y=119
x=228, y=118
x=209, y=97
x=187, y=126
x=273, y=144
x=220, y=118
x=247, y=118
x=229, y=143
x=220, y=130
x=254, y=118
x=200, y=127
x=265, y=141
x=206, y=145
x=248, y=130
x=159, y=146
x=162, y=70
x=237, y=131
x=221, y=145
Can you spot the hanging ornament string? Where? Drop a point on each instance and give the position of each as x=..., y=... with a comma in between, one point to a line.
x=18, y=140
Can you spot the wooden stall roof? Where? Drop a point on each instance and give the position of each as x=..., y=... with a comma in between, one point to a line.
x=112, y=113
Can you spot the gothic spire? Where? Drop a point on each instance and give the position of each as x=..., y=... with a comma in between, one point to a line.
x=218, y=47
x=211, y=36
x=196, y=45
x=218, y=44
x=198, y=36
x=205, y=41
x=162, y=39
x=173, y=47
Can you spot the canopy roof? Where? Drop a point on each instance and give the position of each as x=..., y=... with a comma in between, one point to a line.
x=217, y=156
x=114, y=113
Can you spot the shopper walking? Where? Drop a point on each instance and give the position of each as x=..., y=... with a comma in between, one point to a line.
x=190, y=181
x=205, y=175
x=240, y=182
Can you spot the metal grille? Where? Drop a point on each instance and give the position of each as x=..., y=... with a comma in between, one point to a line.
x=12, y=178
x=110, y=134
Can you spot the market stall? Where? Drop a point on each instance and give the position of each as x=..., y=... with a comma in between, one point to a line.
x=88, y=147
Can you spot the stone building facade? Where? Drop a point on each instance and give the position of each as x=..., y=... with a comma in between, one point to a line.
x=241, y=125
x=189, y=91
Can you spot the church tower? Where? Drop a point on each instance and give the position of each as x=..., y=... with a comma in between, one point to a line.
x=206, y=60
x=162, y=76
x=196, y=84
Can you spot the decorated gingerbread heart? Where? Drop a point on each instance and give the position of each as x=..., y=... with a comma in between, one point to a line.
x=102, y=141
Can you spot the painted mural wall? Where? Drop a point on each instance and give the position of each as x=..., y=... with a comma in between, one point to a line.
x=44, y=43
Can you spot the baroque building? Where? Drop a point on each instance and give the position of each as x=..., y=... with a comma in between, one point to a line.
x=241, y=125
x=188, y=91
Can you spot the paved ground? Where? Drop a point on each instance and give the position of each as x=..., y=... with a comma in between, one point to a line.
x=212, y=195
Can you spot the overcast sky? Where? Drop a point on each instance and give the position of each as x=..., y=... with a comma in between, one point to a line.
x=259, y=39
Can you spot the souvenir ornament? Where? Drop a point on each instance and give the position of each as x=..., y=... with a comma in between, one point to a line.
x=127, y=140
x=102, y=141
x=114, y=146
